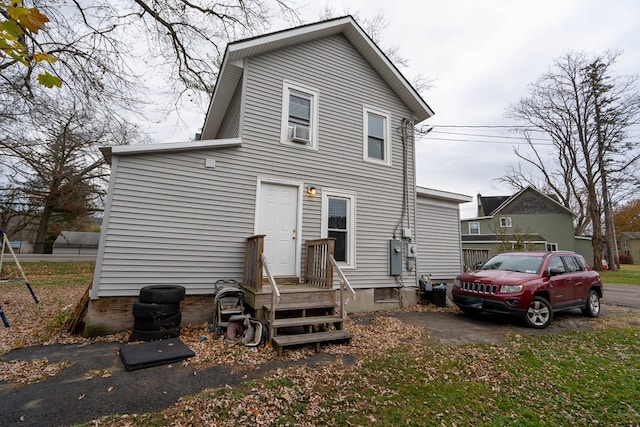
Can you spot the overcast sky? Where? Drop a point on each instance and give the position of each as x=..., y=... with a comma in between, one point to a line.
x=481, y=56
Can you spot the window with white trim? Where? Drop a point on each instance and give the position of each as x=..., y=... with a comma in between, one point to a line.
x=299, y=116
x=474, y=228
x=552, y=247
x=377, y=136
x=505, y=221
x=338, y=222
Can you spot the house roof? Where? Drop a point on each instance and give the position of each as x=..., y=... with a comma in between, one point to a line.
x=232, y=65
x=443, y=195
x=128, y=150
x=77, y=238
x=492, y=205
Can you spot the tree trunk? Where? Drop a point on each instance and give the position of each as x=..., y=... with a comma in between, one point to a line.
x=597, y=239
x=43, y=228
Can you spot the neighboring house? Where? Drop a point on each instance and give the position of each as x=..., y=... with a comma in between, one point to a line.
x=308, y=138
x=76, y=243
x=629, y=243
x=527, y=220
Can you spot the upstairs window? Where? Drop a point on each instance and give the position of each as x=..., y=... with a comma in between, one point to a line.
x=299, y=116
x=505, y=221
x=474, y=228
x=377, y=138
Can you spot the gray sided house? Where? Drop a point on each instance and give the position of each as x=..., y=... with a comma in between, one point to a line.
x=307, y=150
x=527, y=220
x=629, y=243
x=76, y=243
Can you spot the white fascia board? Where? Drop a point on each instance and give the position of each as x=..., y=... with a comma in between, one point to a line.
x=128, y=150
x=444, y=195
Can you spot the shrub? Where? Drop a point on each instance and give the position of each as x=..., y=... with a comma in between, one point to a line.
x=625, y=259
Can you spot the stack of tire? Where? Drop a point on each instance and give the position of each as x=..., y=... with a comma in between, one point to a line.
x=156, y=314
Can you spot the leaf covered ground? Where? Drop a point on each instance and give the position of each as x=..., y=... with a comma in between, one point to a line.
x=401, y=375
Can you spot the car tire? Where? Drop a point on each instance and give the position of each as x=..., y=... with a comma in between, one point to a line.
x=162, y=294
x=159, y=324
x=539, y=313
x=146, y=310
x=592, y=307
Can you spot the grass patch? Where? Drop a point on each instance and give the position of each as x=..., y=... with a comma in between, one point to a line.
x=628, y=274
x=44, y=273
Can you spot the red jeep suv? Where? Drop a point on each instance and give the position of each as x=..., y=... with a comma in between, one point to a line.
x=532, y=285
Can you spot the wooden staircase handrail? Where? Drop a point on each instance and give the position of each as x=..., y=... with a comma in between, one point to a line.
x=344, y=284
x=253, y=262
x=275, y=293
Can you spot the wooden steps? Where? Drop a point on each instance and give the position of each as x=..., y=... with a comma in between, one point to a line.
x=315, y=338
x=310, y=322
x=306, y=321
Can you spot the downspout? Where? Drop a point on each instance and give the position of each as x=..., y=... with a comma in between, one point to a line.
x=415, y=205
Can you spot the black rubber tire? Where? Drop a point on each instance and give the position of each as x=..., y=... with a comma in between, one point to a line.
x=592, y=306
x=138, y=335
x=144, y=310
x=159, y=324
x=539, y=314
x=162, y=294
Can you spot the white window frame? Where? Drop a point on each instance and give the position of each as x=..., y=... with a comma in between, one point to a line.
x=328, y=193
x=551, y=247
x=476, y=223
x=386, y=133
x=287, y=89
x=505, y=222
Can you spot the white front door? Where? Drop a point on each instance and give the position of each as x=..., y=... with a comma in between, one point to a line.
x=278, y=222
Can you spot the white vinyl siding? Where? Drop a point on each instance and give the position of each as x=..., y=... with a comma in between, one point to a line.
x=438, y=238
x=174, y=221
x=231, y=124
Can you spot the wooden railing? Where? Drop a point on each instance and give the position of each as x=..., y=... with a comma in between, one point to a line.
x=344, y=285
x=318, y=267
x=253, y=262
x=275, y=294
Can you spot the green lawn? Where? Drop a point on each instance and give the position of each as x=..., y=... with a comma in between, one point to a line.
x=627, y=275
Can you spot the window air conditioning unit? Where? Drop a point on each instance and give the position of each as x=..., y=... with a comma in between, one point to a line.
x=299, y=133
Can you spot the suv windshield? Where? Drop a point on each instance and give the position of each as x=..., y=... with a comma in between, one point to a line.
x=520, y=263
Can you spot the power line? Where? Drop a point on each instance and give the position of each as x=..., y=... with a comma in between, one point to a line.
x=486, y=136
x=491, y=142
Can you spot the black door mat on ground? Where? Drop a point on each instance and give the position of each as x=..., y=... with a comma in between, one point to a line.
x=154, y=353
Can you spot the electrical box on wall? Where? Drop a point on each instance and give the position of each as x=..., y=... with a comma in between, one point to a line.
x=412, y=250
x=395, y=257
x=407, y=233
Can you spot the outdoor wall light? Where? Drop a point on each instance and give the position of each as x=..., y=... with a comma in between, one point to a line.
x=311, y=191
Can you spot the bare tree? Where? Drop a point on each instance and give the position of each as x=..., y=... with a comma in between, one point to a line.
x=54, y=161
x=100, y=43
x=585, y=111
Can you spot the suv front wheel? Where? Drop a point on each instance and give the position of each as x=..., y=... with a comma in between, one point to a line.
x=592, y=308
x=539, y=314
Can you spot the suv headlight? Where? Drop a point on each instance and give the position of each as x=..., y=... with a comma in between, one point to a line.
x=510, y=289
